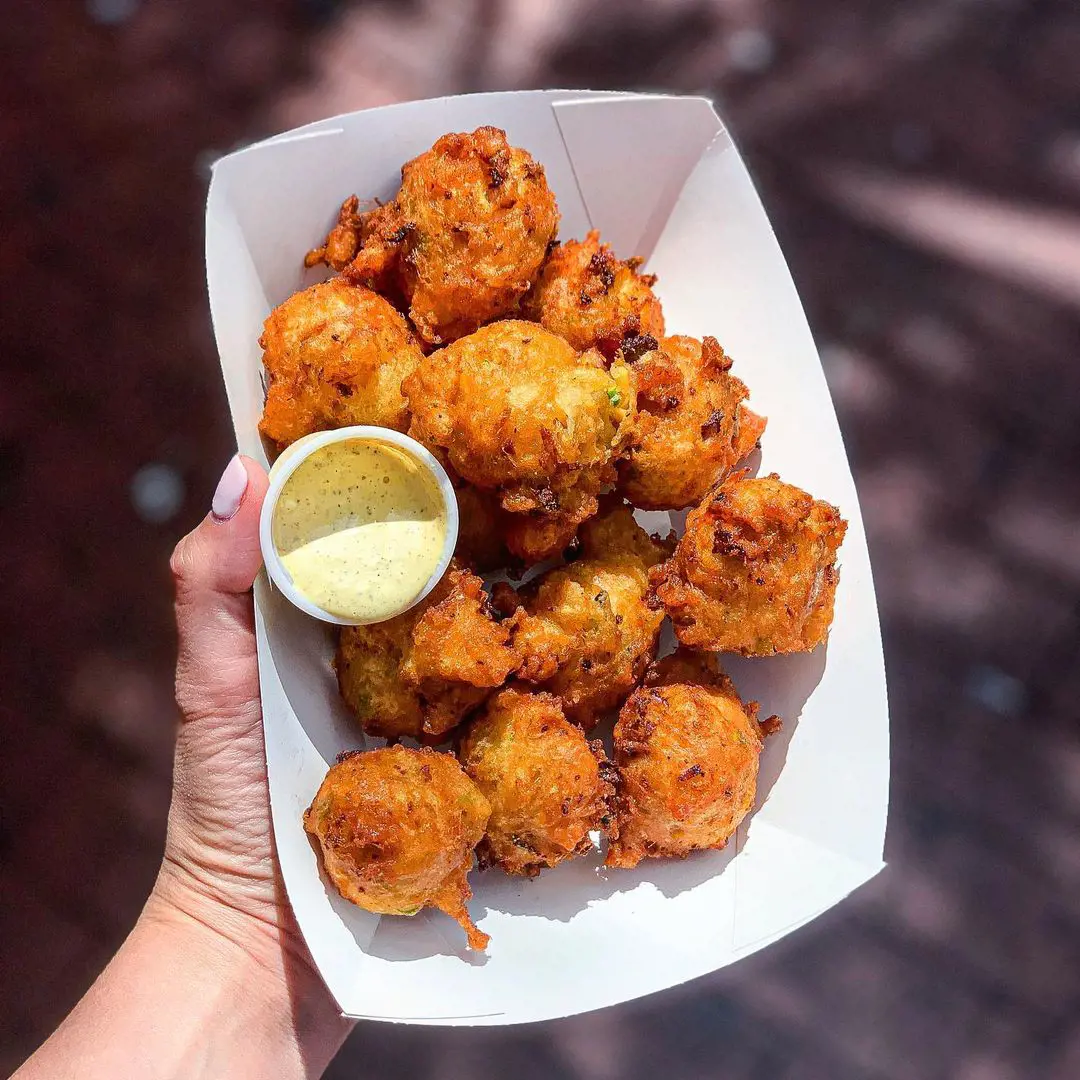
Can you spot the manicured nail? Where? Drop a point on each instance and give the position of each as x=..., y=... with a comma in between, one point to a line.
x=230, y=490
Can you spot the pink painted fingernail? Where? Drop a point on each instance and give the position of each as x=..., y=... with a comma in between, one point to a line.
x=230, y=490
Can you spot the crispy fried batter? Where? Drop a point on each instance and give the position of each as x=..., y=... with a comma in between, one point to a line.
x=482, y=523
x=516, y=409
x=592, y=299
x=343, y=241
x=539, y=534
x=686, y=754
x=548, y=379
x=397, y=829
x=420, y=673
x=464, y=238
x=379, y=262
x=692, y=425
x=335, y=354
x=548, y=787
x=588, y=631
x=755, y=572
x=457, y=640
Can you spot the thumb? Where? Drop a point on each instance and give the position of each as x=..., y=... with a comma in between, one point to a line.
x=214, y=568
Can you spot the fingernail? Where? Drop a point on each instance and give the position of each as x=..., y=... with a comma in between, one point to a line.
x=230, y=490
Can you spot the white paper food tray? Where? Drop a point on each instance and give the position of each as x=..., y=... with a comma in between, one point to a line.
x=659, y=177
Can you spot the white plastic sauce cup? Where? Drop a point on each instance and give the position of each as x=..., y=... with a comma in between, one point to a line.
x=298, y=452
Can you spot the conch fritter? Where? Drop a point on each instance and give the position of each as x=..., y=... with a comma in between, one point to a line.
x=594, y=300
x=686, y=755
x=543, y=532
x=755, y=572
x=397, y=829
x=482, y=522
x=589, y=630
x=420, y=673
x=547, y=785
x=335, y=355
x=516, y=409
x=692, y=425
x=463, y=240
x=344, y=239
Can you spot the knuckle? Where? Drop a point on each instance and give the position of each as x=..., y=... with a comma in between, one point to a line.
x=216, y=696
x=228, y=709
x=180, y=561
x=185, y=567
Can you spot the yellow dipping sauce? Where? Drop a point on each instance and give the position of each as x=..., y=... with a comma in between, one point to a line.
x=360, y=528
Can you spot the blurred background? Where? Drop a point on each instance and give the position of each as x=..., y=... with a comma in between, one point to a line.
x=921, y=164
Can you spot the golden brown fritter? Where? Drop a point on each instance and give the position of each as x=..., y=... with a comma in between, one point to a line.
x=548, y=787
x=755, y=572
x=686, y=755
x=420, y=673
x=692, y=426
x=463, y=240
x=381, y=236
x=397, y=829
x=589, y=630
x=335, y=355
x=458, y=640
x=344, y=239
x=594, y=300
x=516, y=409
x=539, y=534
x=481, y=527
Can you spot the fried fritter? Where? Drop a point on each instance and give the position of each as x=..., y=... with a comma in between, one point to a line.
x=755, y=572
x=335, y=355
x=539, y=534
x=463, y=240
x=379, y=261
x=482, y=523
x=589, y=631
x=686, y=755
x=691, y=427
x=397, y=829
x=344, y=239
x=420, y=673
x=548, y=787
x=594, y=300
x=516, y=409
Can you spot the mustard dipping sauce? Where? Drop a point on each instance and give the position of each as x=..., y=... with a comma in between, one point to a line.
x=360, y=527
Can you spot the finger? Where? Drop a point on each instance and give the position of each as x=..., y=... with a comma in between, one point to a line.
x=214, y=567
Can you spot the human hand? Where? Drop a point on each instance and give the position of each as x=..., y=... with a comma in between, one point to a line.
x=219, y=867
x=214, y=979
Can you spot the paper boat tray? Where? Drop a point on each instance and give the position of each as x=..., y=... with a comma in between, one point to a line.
x=659, y=177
